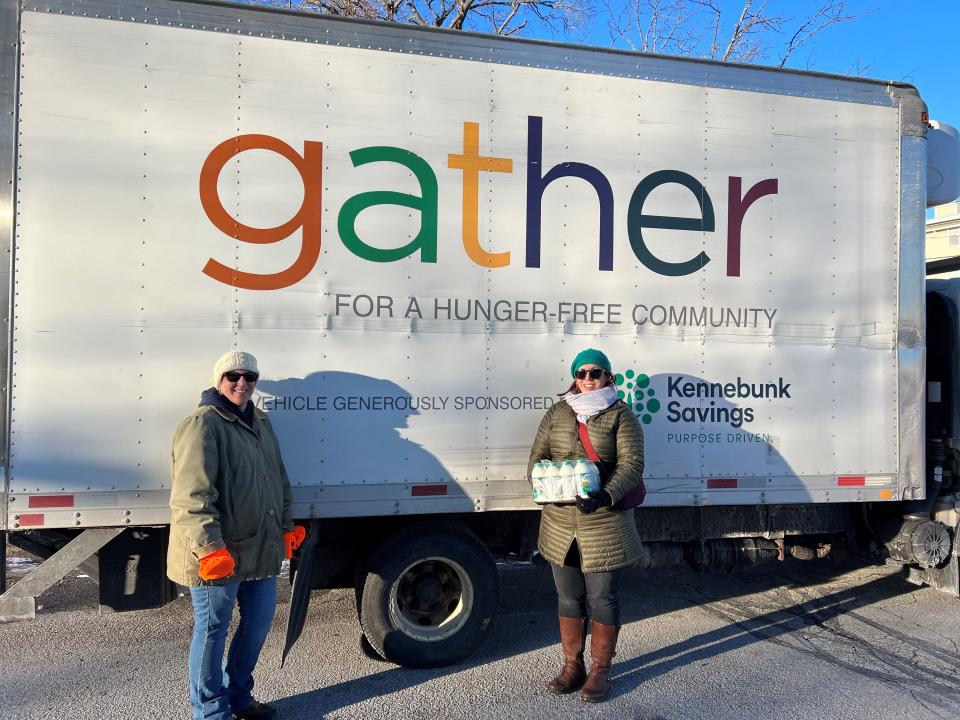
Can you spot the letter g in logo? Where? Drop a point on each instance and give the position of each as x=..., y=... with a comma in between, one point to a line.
x=307, y=218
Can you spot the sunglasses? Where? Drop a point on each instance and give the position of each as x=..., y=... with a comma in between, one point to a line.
x=250, y=377
x=594, y=373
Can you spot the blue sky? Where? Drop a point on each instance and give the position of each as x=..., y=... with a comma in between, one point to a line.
x=915, y=42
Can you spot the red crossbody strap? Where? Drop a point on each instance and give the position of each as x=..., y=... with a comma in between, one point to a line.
x=585, y=439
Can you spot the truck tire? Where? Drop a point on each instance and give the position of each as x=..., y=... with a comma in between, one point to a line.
x=429, y=596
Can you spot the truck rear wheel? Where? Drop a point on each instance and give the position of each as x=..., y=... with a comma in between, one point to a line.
x=429, y=596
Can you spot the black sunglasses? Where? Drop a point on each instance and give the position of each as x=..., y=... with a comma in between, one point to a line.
x=594, y=373
x=250, y=377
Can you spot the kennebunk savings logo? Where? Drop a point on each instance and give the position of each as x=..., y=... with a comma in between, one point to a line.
x=636, y=392
x=634, y=389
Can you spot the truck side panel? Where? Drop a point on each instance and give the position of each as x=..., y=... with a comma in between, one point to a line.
x=414, y=232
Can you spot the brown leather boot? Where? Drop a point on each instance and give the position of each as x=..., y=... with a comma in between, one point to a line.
x=573, y=638
x=603, y=646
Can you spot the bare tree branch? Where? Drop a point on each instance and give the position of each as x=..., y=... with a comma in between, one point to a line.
x=737, y=33
x=858, y=69
x=715, y=25
x=502, y=27
x=726, y=30
x=829, y=14
x=415, y=12
x=619, y=25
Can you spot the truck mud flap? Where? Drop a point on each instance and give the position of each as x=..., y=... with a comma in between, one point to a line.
x=945, y=579
x=300, y=595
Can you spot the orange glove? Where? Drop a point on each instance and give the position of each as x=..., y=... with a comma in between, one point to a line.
x=217, y=565
x=293, y=539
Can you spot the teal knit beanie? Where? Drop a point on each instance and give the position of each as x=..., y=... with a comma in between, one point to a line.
x=589, y=357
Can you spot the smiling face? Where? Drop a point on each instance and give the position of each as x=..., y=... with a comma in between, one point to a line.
x=237, y=387
x=587, y=383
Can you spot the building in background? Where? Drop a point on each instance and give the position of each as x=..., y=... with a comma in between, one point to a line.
x=943, y=235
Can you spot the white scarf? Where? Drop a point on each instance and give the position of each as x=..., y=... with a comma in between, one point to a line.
x=588, y=404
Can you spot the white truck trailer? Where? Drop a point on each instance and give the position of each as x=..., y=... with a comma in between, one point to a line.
x=415, y=231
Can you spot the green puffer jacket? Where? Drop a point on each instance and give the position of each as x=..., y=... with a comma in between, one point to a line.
x=230, y=489
x=607, y=538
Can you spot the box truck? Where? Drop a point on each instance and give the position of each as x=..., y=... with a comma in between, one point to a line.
x=415, y=231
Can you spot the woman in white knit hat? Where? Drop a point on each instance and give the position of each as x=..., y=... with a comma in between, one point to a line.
x=230, y=529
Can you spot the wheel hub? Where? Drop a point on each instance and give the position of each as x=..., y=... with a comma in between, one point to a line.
x=432, y=599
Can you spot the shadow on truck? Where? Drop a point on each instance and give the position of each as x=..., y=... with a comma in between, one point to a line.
x=320, y=422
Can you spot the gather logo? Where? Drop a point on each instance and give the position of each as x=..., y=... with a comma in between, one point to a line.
x=634, y=389
x=469, y=161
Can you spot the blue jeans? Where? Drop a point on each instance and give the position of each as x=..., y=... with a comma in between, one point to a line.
x=217, y=690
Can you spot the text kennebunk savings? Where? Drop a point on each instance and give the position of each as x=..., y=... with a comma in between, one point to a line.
x=679, y=387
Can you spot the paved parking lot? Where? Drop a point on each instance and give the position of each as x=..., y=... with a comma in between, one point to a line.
x=796, y=641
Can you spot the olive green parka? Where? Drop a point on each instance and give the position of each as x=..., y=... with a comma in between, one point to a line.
x=230, y=489
x=608, y=538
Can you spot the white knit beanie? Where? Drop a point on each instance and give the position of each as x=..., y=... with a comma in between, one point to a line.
x=232, y=361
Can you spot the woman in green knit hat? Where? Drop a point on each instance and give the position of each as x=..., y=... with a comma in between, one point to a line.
x=588, y=543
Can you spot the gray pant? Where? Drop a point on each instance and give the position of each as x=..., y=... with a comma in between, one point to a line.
x=575, y=589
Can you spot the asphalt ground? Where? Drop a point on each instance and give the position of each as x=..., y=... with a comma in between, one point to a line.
x=795, y=640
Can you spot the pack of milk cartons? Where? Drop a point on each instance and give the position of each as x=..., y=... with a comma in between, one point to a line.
x=564, y=482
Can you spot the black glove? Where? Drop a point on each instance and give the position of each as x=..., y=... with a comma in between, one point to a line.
x=594, y=500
